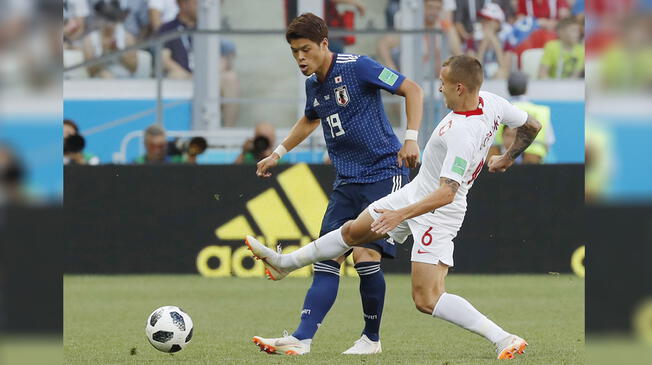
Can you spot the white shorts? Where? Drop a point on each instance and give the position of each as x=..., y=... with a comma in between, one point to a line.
x=432, y=243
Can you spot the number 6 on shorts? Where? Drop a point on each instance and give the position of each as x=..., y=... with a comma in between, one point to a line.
x=427, y=236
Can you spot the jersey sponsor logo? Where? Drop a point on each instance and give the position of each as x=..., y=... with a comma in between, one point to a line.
x=342, y=96
x=388, y=77
x=338, y=79
x=459, y=166
x=315, y=103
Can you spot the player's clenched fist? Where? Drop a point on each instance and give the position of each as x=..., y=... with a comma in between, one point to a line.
x=500, y=163
x=263, y=166
x=409, y=154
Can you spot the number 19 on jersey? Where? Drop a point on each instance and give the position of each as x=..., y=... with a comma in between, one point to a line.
x=336, y=125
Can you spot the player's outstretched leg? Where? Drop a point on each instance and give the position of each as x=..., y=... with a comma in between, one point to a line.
x=326, y=247
x=430, y=297
x=286, y=345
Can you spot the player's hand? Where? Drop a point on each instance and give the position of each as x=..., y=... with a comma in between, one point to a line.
x=388, y=220
x=499, y=163
x=263, y=166
x=409, y=154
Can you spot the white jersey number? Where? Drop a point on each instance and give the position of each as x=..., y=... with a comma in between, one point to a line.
x=336, y=125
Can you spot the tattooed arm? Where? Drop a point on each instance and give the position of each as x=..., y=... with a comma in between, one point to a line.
x=444, y=195
x=525, y=134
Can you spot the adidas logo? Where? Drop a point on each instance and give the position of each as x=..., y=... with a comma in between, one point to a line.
x=315, y=103
x=274, y=222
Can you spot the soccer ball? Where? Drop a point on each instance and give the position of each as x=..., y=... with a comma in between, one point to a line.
x=169, y=329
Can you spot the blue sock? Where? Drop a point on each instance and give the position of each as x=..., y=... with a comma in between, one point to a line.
x=372, y=292
x=319, y=299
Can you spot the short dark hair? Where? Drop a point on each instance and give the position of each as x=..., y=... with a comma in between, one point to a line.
x=466, y=70
x=308, y=26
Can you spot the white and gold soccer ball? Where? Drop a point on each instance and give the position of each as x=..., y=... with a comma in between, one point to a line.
x=169, y=329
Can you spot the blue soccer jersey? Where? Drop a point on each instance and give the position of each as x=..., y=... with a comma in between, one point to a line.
x=361, y=143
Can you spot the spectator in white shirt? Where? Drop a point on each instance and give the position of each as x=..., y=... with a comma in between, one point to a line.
x=161, y=12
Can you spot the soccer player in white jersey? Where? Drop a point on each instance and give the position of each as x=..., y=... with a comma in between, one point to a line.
x=431, y=208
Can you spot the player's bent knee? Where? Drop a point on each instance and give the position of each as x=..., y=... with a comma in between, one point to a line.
x=424, y=303
x=425, y=300
x=351, y=234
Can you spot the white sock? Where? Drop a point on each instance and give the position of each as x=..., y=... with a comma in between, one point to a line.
x=459, y=311
x=329, y=246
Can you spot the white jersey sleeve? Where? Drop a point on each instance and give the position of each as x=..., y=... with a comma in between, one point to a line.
x=513, y=117
x=459, y=154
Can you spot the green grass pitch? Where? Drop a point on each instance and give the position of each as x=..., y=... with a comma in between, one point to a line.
x=104, y=320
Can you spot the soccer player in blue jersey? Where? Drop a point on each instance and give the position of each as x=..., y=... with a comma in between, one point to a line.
x=343, y=95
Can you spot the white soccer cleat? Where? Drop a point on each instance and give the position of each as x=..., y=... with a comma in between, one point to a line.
x=510, y=346
x=268, y=257
x=286, y=345
x=364, y=346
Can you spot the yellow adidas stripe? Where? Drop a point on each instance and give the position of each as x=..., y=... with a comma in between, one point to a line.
x=306, y=195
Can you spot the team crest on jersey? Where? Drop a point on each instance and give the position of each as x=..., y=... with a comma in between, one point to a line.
x=342, y=96
x=445, y=127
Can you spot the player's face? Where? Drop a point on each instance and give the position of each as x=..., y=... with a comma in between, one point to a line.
x=308, y=54
x=448, y=88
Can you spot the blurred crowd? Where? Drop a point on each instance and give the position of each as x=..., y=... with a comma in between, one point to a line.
x=94, y=28
x=543, y=38
x=517, y=41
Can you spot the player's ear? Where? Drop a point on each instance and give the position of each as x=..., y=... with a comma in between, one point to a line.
x=324, y=44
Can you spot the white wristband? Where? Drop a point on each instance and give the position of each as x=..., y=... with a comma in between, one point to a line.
x=411, y=135
x=280, y=151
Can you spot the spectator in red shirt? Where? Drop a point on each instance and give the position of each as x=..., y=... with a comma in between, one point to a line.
x=492, y=17
x=547, y=12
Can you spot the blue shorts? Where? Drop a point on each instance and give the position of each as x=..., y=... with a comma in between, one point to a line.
x=347, y=201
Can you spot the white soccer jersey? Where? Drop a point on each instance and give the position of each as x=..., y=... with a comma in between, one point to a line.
x=457, y=150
